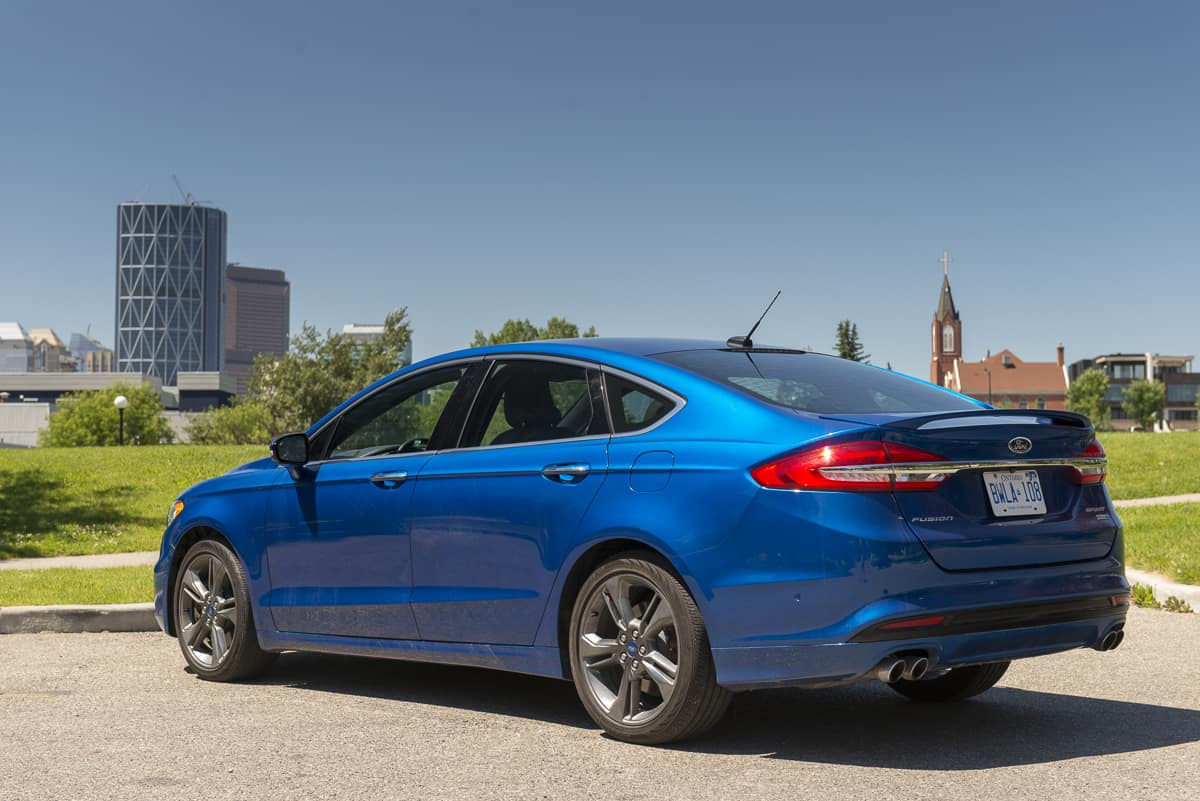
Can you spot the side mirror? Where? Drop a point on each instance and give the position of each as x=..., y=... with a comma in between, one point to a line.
x=290, y=449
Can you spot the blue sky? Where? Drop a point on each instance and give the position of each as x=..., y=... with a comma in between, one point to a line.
x=649, y=168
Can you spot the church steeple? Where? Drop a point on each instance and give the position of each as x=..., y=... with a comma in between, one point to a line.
x=946, y=348
x=945, y=308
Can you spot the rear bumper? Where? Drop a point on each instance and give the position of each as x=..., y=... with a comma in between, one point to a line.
x=760, y=667
x=996, y=618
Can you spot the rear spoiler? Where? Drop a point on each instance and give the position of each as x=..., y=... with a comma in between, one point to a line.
x=984, y=417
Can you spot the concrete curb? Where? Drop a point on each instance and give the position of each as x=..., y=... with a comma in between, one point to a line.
x=77, y=619
x=1164, y=587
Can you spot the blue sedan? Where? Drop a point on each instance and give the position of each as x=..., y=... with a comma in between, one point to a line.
x=663, y=522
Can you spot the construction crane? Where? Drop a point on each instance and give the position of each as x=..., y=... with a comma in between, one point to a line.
x=187, y=196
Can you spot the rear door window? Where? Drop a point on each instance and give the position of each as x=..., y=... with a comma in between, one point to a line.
x=813, y=382
x=525, y=400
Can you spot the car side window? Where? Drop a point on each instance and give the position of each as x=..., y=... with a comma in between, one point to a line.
x=633, y=406
x=399, y=418
x=524, y=400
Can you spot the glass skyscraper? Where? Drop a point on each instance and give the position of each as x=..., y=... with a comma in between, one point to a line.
x=170, y=274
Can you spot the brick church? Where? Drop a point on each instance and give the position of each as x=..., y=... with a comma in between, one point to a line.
x=1002, y=379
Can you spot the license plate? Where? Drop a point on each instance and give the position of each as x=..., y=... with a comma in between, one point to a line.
x=1015, y=494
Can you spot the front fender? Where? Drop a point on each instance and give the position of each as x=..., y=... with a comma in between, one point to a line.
x=235, y=516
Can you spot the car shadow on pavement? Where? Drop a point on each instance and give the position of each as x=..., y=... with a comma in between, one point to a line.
x=869, y=726
x=863, y=725
x=491, y=691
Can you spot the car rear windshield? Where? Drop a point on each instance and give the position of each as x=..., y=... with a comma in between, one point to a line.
x=816, y=383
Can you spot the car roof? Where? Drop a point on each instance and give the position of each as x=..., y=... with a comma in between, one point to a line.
x=630, y=346
x=630, y=353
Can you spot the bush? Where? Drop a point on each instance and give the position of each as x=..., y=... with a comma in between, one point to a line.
x=1173, y=604
x=1086, y=395
x=89, y=418
x=245, y=423
x=1144, y=402
x=1143, y=595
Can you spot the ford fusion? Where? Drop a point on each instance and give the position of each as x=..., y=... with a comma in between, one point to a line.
x=662, y=522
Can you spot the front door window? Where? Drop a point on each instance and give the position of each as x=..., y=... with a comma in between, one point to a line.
x=397, y=419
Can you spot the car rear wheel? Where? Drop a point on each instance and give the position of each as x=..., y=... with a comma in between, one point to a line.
x=213, y=621
x=640, y=656
x=960, y=683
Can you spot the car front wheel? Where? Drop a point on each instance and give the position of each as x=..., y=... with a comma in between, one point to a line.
x=640, y=656
x=213, y=621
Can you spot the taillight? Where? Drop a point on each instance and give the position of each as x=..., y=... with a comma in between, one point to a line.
x=1091, y=473
x=851, y=466
x=912, y=481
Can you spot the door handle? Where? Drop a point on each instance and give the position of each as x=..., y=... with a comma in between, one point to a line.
x=389, y=480
x=566, y=473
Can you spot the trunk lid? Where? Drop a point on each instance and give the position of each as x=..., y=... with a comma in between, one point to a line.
x=986, y=514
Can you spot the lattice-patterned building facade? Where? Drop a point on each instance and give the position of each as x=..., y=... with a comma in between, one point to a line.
x=170, y=272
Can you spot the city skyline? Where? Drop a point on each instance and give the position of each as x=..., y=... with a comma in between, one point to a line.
x=661, y=174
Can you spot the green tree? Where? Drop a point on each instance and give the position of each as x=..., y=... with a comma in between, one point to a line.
x=319, y=371
x=848, y=345
x=246, y=422
x=89, y=418
x=1144, y=401
x=1087, y=396
x=385, y=355
x=525, y=331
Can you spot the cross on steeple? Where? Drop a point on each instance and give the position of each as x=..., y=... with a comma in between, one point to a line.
x=945, y=260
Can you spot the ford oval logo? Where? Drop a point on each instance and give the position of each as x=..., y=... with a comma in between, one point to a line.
x=1020, y=445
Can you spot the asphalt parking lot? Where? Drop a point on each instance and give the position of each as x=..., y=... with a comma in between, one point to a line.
x=116, y=716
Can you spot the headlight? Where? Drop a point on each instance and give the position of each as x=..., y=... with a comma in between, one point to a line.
x=176, y=508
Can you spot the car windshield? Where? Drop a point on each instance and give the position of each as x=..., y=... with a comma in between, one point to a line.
x=816, y=383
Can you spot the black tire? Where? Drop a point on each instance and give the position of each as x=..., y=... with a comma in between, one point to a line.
x=213, y=621
x=693, y=701
x=959, y=684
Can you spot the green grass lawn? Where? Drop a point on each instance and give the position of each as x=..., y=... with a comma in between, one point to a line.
x=67, y=501
x=1141, y=465
x=1164, y=539
x=109, y=585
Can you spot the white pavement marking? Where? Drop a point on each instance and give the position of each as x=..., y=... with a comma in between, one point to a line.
x=1160, y=500
x=87, y=562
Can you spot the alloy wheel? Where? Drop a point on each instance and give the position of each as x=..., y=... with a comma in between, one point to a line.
x=629, y=648
x=207, y=610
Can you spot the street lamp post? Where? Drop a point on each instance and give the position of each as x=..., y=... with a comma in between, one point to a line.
x=989, y=375
x=120, y=402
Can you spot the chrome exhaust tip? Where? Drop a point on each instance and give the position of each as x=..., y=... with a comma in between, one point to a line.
x=1120, y=639
x=890, y=670
x=915, y=668
x=1110, y=641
